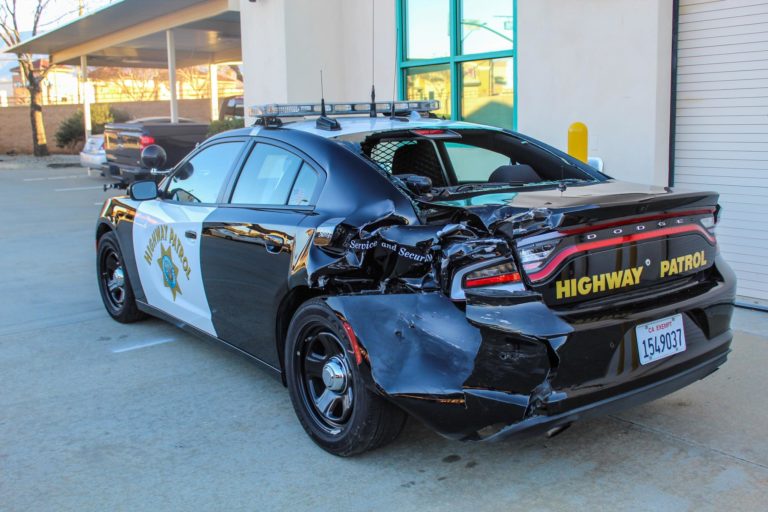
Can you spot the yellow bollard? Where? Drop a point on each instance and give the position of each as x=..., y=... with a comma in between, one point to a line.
x=578, y=141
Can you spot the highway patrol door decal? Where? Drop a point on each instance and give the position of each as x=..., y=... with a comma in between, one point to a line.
x=169, y=261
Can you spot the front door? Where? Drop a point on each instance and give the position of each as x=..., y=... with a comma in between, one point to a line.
x=167, y=234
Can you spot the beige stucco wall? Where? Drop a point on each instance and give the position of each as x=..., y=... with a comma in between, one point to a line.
x=287, y=42
x=605, y=63
x=16, y=131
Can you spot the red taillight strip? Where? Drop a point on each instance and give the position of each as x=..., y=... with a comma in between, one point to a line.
x=599, y=244
x=514, y=277
x=635, y=220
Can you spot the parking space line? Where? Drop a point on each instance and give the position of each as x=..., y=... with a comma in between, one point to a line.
x=72, y=189
x=34, y=179
x=142, y=345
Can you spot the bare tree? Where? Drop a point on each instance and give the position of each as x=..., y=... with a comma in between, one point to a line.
x=32, y=77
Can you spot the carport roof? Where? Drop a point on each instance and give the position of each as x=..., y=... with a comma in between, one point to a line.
x=132, y=33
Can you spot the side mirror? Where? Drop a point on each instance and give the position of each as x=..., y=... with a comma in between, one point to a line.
x=153, y=157
x=144, y=190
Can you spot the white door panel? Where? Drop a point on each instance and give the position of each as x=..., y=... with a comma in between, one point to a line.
x=169, y=261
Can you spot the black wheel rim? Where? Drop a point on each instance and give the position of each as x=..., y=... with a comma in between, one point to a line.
x=324, y=379
x=113, y=278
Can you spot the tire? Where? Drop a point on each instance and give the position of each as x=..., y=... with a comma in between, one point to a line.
x=114, y=285
x=345, y=421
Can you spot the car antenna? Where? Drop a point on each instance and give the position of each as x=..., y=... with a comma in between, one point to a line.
x=373, y=59
x=392, y=110
x=324, y=122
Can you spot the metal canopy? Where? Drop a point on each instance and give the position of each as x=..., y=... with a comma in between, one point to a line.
x=132, y=33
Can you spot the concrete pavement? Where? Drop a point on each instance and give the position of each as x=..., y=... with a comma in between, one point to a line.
x=95, y=415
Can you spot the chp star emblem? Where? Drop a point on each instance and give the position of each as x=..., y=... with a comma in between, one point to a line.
x=170, y=270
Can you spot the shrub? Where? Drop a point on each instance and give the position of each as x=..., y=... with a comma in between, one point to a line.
x=71, y=131
x=223, y=125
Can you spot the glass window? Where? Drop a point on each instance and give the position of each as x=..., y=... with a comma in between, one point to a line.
x=267, y=176
x=486, y=26
x=487, y=92
x=304, y=188
x=201, y=177
x=472, y=163
x=429, y=29
x=430, y=83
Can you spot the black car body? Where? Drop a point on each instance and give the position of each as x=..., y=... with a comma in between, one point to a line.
x=123, y=143
x=484, y=309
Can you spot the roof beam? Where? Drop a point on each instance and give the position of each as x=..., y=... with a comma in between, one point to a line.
x=160, y=24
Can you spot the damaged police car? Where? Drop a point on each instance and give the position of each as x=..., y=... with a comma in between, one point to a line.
x=392, y=265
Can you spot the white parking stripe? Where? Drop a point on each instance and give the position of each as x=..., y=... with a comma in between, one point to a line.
x=72, y=189
x=142, y=345
x=34, y=179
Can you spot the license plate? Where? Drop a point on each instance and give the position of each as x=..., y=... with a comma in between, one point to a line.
x=660, y=338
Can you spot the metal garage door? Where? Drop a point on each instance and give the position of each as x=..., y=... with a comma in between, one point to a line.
x=721, y=134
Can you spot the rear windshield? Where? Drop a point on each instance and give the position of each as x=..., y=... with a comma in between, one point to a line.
x=468, y=156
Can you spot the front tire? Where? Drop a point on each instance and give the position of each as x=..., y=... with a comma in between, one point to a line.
x=328, y=393
x=116, y=292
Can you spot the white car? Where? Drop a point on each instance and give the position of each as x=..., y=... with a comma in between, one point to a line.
x=93, y=155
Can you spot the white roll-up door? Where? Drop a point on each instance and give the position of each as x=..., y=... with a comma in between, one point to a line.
x=721, y=135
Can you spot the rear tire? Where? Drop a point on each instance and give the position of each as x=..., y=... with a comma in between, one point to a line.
x=328, y=393
x=114, y=285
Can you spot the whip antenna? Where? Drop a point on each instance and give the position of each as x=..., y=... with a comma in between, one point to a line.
x=322, y=95
x=373, y=59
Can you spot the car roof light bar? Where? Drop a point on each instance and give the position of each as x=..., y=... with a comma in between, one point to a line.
x=278, y=110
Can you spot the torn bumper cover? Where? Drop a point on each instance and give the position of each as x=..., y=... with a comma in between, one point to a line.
x=508, y=365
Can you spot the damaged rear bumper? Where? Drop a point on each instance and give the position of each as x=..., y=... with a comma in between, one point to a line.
x=517, y=367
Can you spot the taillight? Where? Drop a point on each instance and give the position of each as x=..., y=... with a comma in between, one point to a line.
x=497, y=274
x=710, y=223
x=533, y=256
x=146, y=140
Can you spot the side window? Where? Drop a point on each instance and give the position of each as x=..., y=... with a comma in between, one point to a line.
x=472, y=163
x=304, y=188
x=200, y=178
x=267, y=177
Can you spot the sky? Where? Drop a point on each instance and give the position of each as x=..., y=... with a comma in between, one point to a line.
x=57, y=13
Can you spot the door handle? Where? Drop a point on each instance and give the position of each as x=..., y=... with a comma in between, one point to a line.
x=191, y=234
x=274, y=243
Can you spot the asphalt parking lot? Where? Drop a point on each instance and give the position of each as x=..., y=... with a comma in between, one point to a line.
x=95, y=415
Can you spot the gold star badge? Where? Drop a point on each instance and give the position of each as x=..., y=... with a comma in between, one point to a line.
x=170, y=270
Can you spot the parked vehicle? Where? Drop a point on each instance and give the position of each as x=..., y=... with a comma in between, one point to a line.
x=93, y=156
x=231, y=108
x=472, y=277
x=123, y=143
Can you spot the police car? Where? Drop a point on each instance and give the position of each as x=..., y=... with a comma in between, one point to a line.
x=383, y=264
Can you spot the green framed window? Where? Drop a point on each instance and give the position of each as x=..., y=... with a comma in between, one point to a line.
x=461, y=52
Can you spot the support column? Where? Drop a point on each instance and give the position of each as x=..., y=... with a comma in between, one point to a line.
x=171, y=44
x=85, y=95
x=214, y=74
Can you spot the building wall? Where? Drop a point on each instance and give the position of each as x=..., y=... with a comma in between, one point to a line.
x=297, y=38
x=16, y=132
x=607, y=64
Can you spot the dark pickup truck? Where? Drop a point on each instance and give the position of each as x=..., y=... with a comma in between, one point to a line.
x=123, y=143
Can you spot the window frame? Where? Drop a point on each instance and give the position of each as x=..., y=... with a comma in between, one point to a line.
x=236, y=163
x=455, y=59
x=226, y=198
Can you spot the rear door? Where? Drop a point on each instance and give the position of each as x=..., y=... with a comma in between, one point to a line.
x=167, y=233
x=253, y=246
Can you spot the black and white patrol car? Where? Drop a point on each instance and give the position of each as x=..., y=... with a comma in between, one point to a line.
x=472, y=277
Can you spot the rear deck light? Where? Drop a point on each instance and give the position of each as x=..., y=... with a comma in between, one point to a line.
x=146, y=140
x=497, y=274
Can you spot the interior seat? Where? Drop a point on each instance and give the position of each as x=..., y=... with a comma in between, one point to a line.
x=517, y=173
x=418, y=158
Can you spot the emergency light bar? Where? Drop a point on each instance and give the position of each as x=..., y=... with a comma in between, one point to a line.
x=276, y=110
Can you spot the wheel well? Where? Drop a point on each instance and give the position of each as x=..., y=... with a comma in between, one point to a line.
x=102, y=230
x=290, y=303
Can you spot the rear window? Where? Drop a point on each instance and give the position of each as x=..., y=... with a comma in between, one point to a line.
x=455, y=157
